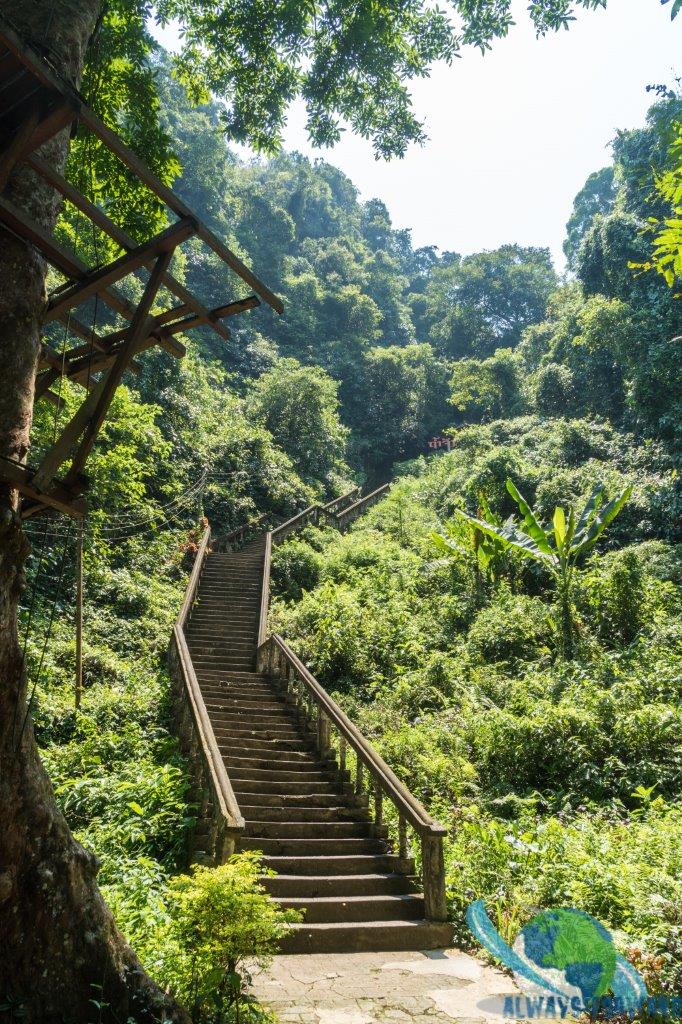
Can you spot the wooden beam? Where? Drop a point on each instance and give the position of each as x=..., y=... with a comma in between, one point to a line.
x=140, y=169
x=66, y=262
x=44, y=73
x=221, y=311
x=12, y=151
x=138, y=331
x=95, y=281
x=120, y=236
x=61, y=497
x=74, y=326
x=101, y=393
x=57, y=117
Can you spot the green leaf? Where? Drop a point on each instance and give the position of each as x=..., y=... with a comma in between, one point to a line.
x=559, y=527
x=511, y=537
x=134, y=806
x=530, y=522
x=592, y=506
x=601, y=521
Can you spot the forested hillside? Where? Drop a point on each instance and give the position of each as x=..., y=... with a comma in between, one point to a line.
x=558, y=777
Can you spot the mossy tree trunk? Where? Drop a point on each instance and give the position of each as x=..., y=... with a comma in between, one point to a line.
x=59, y=946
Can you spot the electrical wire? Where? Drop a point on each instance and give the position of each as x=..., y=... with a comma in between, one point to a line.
x=48, y=634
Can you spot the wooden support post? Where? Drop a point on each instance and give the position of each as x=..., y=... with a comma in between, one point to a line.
x=359, y=768
x=402, y=837
x=79, y=616
x=342, y=753
x=433, y=877
x=322, y=732
x=378, y=805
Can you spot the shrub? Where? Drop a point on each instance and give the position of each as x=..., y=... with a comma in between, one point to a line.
x=218, y=918
x=295, y=568
x=554, y=390
x=512, y=627
x=616, y=597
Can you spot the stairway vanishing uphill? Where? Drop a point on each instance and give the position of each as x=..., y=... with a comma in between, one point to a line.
x=298, y=809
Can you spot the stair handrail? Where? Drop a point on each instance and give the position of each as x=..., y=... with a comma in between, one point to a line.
x=311, y=514
x=265, y=590
x=331, y=507
x=196, y=730
x=240, y=532
x=277, y=659
x=349, y=514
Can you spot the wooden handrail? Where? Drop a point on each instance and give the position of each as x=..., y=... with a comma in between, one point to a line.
x=277, y=659
x=297, y=522
x=265, y=590
x=332, y=506
x=240, y=532
x=413, y=810
x=347, y=515
x=200, y=738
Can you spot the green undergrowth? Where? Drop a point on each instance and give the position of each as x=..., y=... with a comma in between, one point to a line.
x=558, y=780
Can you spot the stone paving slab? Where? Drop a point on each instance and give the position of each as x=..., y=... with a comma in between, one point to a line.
x=435, y=987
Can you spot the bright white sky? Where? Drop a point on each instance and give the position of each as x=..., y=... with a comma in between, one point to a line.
x=513, y=135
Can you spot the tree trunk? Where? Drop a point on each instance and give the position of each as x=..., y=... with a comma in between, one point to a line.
x=59, y=946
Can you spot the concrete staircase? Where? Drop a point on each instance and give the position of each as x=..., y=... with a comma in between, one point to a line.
x=299, y=809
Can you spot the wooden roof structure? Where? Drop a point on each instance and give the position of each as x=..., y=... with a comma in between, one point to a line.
x=35, y=104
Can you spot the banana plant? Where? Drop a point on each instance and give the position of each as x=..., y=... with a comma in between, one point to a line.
x=557, y=547
x=465, y=538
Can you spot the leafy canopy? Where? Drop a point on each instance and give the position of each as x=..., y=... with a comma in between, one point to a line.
x=351, y=63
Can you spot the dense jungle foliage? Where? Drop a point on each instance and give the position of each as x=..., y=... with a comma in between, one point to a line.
x=559, y=778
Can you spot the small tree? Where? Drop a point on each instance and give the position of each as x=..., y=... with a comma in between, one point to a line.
x=218, y=919
x=558, y=548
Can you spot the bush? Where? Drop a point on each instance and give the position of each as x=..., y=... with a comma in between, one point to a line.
x=512, y=627
x=615, y=596
x=554, y=390
x=295, y=568
x=218, y=918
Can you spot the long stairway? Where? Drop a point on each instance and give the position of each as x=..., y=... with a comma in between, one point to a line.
x=298, y=808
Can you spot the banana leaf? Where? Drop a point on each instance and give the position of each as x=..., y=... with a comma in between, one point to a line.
x=531, y=524
x=602, y=520
x=510, y=536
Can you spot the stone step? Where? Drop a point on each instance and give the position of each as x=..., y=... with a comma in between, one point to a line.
x=247, y=678
x=229, y=663
x=351, y=909
x=290, y=801
x=332, y=865
x=255, y=709
x=313, y=812
x=255, y=746
x=367, y=937
x=304, y=765
x=228, y=716
x=282, y=787
x=205, y=653
x=258, y=775
x=222, y=633
x=234, y=734
x=239, y=691
x=282, y=886
x=307, y=831
x=285, y=847
x=239, y=593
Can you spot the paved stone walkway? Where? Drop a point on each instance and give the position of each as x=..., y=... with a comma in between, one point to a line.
x=382, y=988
